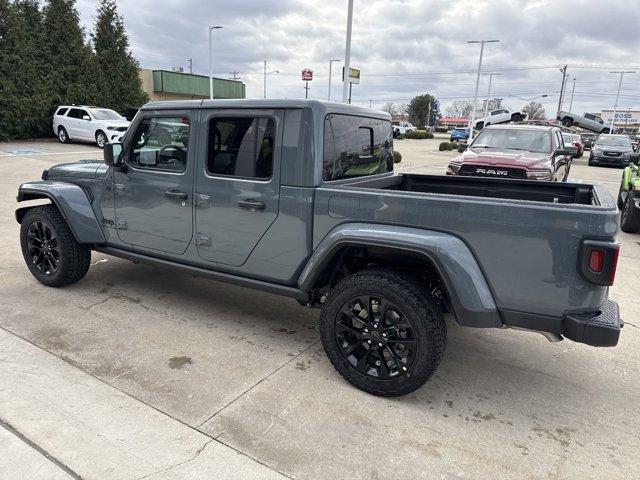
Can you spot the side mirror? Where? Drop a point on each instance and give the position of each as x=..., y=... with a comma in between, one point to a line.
x=113, y=155
x=87, y=118
x=567, y=151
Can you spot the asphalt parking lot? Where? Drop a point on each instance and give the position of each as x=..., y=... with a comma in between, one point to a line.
x=136, y=372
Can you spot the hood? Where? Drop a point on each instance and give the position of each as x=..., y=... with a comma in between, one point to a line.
x=613, y=148
x=505, y=158
x=81, y=169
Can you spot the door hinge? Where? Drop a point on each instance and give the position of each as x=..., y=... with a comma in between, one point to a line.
x=203, y=240
x=121, y=224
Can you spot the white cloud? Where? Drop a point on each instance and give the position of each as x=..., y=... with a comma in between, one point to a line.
x=394, y=39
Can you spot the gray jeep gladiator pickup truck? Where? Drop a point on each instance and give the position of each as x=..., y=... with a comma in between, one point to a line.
x=299, y=198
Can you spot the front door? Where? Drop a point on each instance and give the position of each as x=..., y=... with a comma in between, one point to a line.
x=238, y=182
x=153, y=197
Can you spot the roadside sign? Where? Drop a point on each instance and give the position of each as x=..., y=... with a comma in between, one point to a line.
x=354, y=75
x=307, y=75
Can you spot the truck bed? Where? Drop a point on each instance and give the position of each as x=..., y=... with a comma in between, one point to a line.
x=528, y=190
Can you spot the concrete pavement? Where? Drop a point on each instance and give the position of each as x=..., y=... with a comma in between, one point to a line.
x=137, y=372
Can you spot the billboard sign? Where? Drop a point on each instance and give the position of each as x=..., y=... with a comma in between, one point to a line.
x=623, y=117
x=354, y=75
x=307, y=75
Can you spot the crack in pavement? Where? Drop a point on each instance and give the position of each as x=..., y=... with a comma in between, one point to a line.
x=196, y=455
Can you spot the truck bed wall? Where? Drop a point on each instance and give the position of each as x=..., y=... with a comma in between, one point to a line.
x=527, y=250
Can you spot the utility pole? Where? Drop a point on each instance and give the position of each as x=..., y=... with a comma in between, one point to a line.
x=563, y=69
x=191, y=65
x=615, y=107
x=234, y=76
x=347, y=56
x=573, y=91
x=211, y=29
x=429, y=114
x=475, y=95
x=369, y=103
x=265, y=77
x=329, y=89
x=486, y=103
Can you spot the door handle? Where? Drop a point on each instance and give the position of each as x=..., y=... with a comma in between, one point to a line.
x=176, y=194
x=251, y=204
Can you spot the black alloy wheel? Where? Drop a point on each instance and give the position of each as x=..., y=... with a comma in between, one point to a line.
x=375, y=338
x=43, y=248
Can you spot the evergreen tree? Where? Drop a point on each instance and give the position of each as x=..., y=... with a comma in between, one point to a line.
x=7, y=55
x=120, y=85
x=68, y=57
x=420, y=107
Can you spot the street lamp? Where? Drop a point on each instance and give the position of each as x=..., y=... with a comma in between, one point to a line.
x=475, y=95
x=265, y=77
x=330, y=63
x=211, y=29
x=486, y=103
x=347, y=54
x=615, y=107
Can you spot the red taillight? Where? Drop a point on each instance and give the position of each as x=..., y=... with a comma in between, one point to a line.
x=596, y=261
x=614, y=265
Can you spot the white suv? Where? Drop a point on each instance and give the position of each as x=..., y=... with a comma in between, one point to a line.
x=88, y=124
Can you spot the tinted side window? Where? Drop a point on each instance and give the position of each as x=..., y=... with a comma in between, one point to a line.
x=241, y=147
x=161, y=143
x=356, y=146
x=75, y=113
x=61, y=111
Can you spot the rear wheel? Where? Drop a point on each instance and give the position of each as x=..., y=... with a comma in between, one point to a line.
x=51, y=252
x=567, y=122
x=479, y=125
x=383, y=332
x=63, y=136
x=620, y=200
x=516, y=117
x=630, y=217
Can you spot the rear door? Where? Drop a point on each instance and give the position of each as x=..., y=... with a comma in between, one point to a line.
x=72, y=123
x=237, y=183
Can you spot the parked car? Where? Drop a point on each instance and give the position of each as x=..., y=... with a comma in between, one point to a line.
x=458, y=134
x=323, y=219
x=587, y=121
x=573, y=139
x=88, y=124
x=400, y=128
x=613, y=150
x=588, y=139
x=501, y=115
x=516, y=151
x=629, y=197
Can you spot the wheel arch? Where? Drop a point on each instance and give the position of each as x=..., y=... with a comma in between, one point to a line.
x=71, y=201
x=469, y=295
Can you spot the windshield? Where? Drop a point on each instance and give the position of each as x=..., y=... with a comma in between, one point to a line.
x=537, y=141
x=567, y=138
x=106, y=114
x=613, y=141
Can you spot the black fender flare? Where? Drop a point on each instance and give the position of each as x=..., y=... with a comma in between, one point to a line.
x=73, y=203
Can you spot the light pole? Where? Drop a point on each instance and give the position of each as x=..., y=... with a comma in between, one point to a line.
x=347, y=55
x=486, y=103
x=331, y=63
x=265, y=77
x=573, y=91
x=475, y=95
x=211, y=29
x=615, y=107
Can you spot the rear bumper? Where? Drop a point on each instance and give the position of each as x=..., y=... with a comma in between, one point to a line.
x=598, y=329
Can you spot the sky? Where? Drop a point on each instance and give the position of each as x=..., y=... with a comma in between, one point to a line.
x=402, y=47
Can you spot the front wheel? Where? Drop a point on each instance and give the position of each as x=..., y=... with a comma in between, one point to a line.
x=516, y=118
x=567, y=122
x=479, y=125
x=620, y=201
x=383, y=332
x=50, y=250
x=630, y=217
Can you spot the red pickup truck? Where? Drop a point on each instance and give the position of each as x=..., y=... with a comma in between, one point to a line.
x=516, y=151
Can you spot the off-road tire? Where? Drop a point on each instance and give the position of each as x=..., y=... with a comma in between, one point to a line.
x=630, y=217
x=567, y=122
x=74, y=257
x=479, y=125
x=63, y=135
x=101, y=139
x=620, y=202
x=416, y=304
x=516, y=117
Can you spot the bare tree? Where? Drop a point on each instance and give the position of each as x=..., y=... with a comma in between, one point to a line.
x=390, y=108
x=459, y=108
x=534, y=111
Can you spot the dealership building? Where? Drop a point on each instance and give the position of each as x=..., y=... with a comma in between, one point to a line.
x=169, y=85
